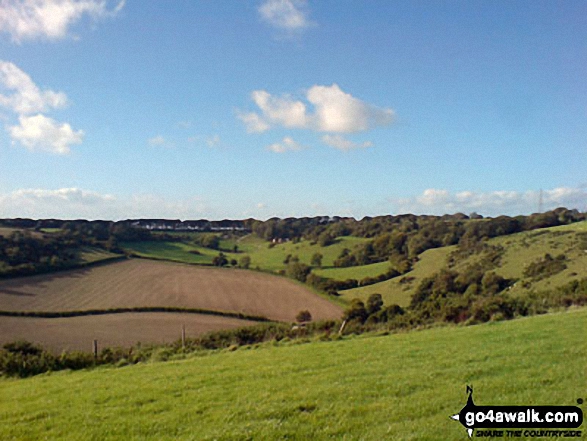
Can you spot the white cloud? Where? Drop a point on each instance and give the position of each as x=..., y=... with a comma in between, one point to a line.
x=32, y=19
x=340, y=143
x=253, y=122
x=42, y=133
x=335, y=111
x=438, y=201
x=26, y=98
x=74, y=203
x=281, y=110
x=286, y=15
x=287, y=144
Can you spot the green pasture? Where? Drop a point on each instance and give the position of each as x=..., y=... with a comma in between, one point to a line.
x=262, y=255
x=271, y=258
x=370, y=387
x=174, y=251
x=354, y=272
x=399, y=290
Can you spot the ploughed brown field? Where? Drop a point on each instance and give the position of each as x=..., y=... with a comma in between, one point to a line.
x=111, y=330
x=145, y=283
x=142, y=283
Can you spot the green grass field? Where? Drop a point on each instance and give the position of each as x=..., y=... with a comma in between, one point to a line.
x=174, y=251
x=400, y=387
x=272, y=258
x=354, y=272
x=399, y=290
x=262, y=256
x=519, y=251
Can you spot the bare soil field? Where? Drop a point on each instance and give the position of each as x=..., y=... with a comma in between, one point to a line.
x=111, y=330
x=145, y=283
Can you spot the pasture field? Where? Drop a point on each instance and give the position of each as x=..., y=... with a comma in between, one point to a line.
x=111, y=330
x=354, y=272
x=272, y=258
x=399, y=290
x=174, y=251
x=262, y=256
x=147, y=283
x=400, y=387
x=519, y=250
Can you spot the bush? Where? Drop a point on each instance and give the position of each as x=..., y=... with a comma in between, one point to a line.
x=304, y=316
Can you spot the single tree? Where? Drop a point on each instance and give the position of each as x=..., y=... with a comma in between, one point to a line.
x=304, y=316
x=317, y=260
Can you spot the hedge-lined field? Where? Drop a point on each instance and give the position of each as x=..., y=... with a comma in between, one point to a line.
x=145, y=283
x=400, y=387
x=112, y=330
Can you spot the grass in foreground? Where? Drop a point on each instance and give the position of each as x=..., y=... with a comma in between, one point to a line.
x=401, y=387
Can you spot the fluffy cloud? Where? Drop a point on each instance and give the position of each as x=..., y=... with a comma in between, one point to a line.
x=42, y=133
x=286, y=15
x=74, y=203
x=287, y=144
x=335, y=111
x=35, y=132
x=26, y=97
x=32, y=19
x=281, y=110
x=340, y=143
x=437, y=201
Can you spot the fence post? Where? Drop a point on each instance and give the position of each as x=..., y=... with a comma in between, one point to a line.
x=340, y=331
x=95, y=349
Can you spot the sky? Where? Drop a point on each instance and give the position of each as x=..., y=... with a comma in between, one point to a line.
x=260, y=108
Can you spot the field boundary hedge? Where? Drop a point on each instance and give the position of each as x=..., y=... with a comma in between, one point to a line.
x=61, y=269
x=141, y=309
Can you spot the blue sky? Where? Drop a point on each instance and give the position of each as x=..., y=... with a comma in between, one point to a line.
x=234, y=109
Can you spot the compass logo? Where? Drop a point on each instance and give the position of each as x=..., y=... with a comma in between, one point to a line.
x=515, y=418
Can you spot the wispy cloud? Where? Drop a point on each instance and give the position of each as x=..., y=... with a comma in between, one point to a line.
x=157, y=141
x=289, y=16
x=286, y=145
x=340, y=143
x=439, y=201
x=21, y=95
x=49, y=19
x=74, y=203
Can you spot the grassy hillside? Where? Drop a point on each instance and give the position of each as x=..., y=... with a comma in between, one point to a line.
x=513, y=254
x=354, y=272
x=400, y=387
x=399, y=290
x=262, y=255
x=174, y=251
